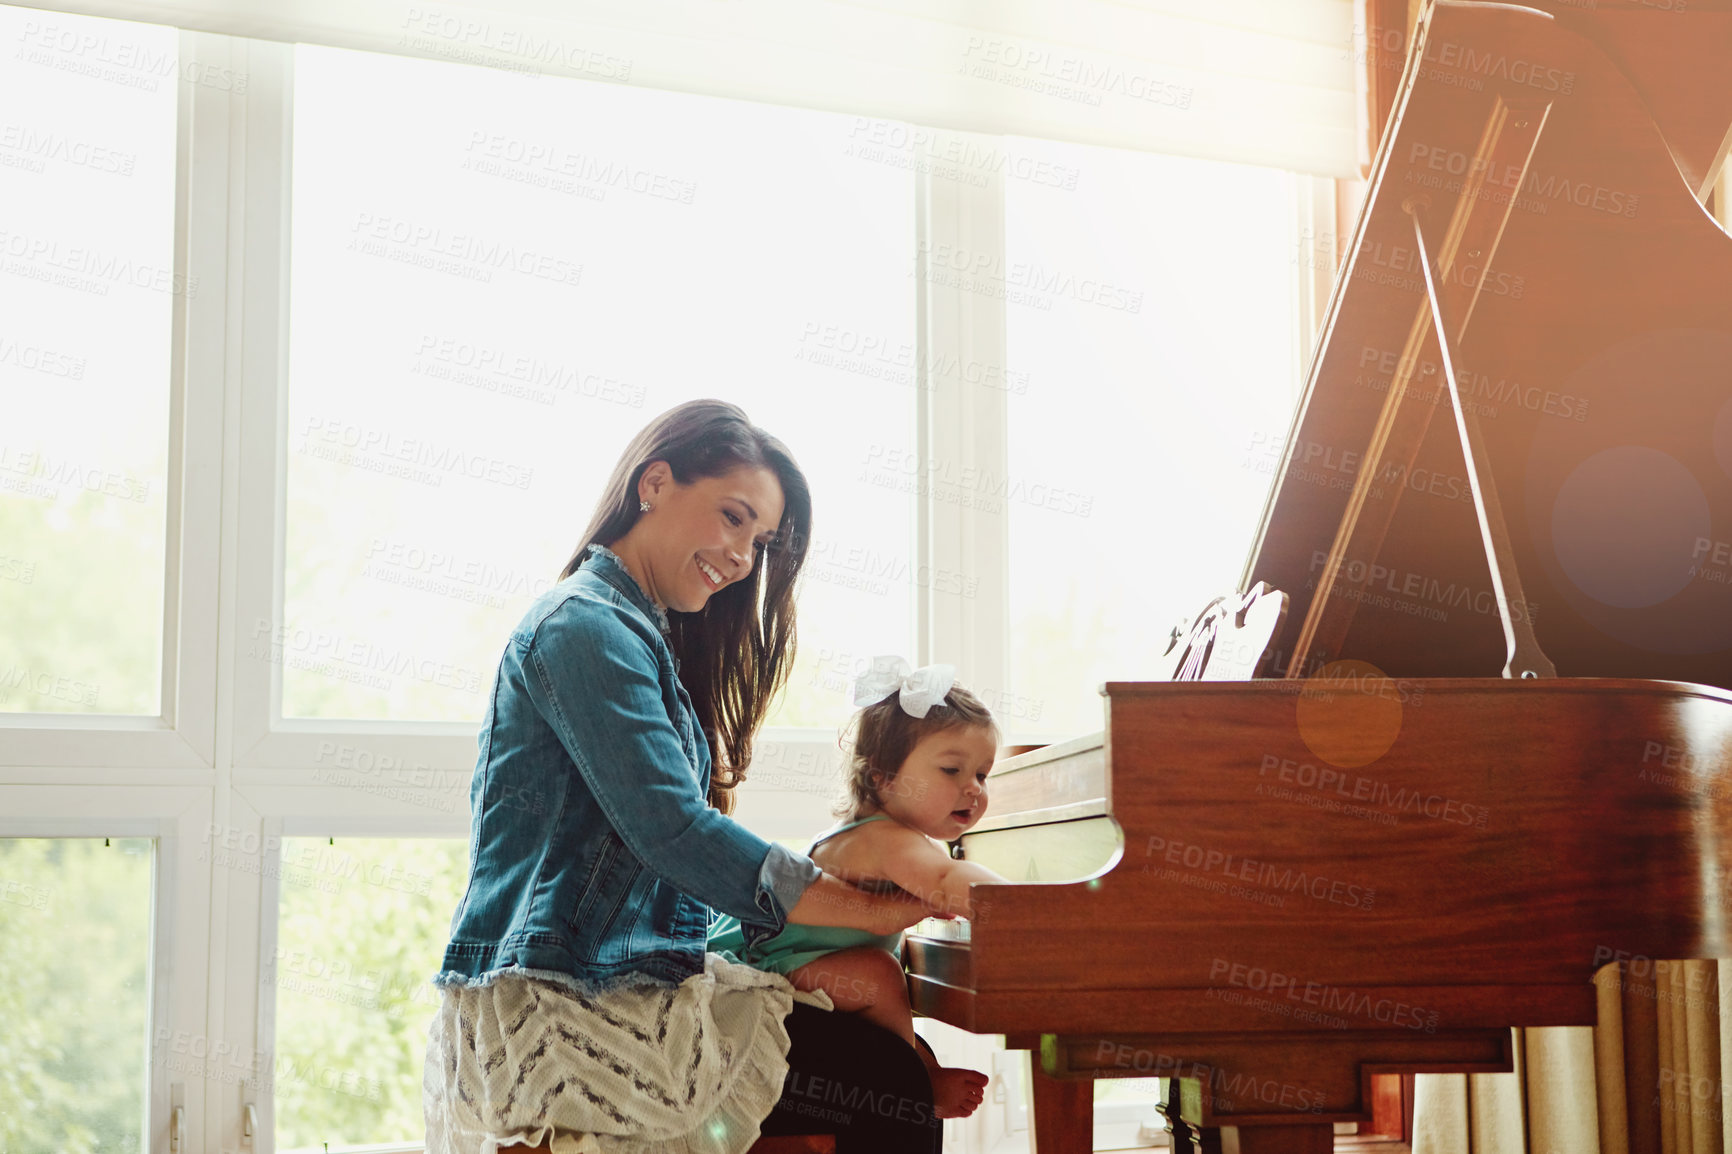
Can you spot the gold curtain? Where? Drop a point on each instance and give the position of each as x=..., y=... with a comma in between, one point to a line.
x=1649, y=1079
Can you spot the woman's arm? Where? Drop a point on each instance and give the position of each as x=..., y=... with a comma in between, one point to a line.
x=590, y=671
x=830, y=901
x=911, y=860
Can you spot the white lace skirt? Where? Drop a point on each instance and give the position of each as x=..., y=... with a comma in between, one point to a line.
x=687, y=1069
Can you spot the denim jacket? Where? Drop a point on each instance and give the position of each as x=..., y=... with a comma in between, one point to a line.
x=593, y=852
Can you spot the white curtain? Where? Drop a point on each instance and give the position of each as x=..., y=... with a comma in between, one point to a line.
x=1268, y=82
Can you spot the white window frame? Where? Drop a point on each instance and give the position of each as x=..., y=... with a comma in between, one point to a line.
x=176, y=817
x=219, y=756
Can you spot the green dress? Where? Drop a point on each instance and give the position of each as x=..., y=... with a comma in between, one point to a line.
x=798, y=944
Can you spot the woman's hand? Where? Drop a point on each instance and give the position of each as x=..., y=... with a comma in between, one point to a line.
x=830, y=901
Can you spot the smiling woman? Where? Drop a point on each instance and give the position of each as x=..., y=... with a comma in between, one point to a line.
x=714, y=514
x=623, y=710
x=701, y=486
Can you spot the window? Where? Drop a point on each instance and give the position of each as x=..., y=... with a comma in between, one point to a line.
x=87, y=287
x=362, y=926
x=497, y=280
x=75, y=949
x=1156, y=347
x=371, y=332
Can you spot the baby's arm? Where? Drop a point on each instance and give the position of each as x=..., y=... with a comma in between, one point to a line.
x=915, y=863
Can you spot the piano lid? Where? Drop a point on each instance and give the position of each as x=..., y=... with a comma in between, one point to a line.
x=1554, y=159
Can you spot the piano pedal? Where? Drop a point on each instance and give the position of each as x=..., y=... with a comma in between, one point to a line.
x=1183, y=1137
x=1148, y=1135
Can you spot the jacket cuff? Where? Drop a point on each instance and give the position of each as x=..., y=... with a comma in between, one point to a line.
x=782, y=878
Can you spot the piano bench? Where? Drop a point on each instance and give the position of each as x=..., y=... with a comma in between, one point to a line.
x=795, y=1144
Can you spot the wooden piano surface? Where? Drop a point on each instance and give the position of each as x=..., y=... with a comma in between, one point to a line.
x=1510, y=836
x=1511, y=839
x=1294, y=884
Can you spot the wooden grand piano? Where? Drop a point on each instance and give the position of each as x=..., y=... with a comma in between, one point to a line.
x=1383, y=856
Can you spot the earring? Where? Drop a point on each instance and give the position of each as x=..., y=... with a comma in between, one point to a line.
x=643, y=506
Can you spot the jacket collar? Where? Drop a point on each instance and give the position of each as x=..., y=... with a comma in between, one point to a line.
x=605, y=563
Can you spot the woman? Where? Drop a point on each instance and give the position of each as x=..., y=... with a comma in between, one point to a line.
x=581, y=1011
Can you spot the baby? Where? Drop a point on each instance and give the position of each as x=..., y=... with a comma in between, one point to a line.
x=921, y=750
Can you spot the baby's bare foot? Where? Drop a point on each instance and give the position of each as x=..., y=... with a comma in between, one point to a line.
x=956, y=1092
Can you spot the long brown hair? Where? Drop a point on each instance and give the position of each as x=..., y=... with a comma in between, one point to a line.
x=737, y=653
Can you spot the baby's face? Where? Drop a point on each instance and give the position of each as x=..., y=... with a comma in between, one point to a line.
x=941, y=788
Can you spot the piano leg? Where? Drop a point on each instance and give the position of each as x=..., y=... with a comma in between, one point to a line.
x=1064, y=1114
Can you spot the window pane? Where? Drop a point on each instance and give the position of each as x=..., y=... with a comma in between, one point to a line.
x=362, y=927
x=1150, y=406
x=87, y=150
x=498, y=280
x=75, y=952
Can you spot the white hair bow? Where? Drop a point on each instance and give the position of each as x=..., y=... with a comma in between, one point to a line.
x=919, y=689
